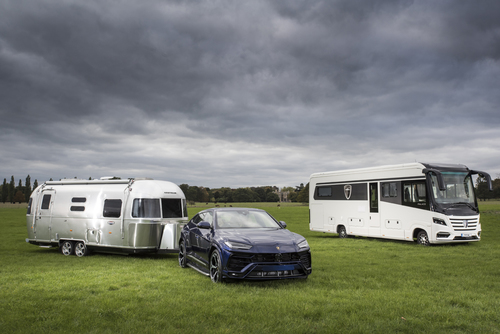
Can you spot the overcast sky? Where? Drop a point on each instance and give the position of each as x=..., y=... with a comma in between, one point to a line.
x=245, y=93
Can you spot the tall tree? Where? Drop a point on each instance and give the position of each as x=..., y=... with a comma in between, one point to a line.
x=5, y=191
x=27, y=189
x=35, y=184
x=12, y=188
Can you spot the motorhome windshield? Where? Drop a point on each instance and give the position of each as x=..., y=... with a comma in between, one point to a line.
x=459, y=189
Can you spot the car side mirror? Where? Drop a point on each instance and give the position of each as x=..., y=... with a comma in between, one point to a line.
x=282, y=223
x=205, y=225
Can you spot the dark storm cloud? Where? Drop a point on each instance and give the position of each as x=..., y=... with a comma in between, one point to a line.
x=274, y=90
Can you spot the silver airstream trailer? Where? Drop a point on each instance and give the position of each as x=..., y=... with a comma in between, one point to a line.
x=107, y=215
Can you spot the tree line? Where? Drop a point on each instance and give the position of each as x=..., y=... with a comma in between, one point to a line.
x=249, y=194
x=11, y=193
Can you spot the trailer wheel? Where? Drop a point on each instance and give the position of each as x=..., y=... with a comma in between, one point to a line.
x=67, y=248
x=342, y=232
x=81, y=249
x=182, y=254
x=422, y=238
x=216, y=267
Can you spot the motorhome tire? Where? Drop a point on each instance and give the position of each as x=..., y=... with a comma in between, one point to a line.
x=67, y=248
x=216, y=267
x=422, y=238
x=342, y=232
x=81, y=249
x=182, y=254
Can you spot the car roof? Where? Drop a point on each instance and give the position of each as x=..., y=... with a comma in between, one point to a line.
x=231, y=209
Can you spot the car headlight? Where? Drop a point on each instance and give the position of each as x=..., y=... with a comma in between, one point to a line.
x=237, y=245
x=303, y=244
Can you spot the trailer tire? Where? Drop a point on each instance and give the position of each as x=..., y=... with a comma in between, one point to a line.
x=67, y=248
x=81, y=249
x=423, y=238
x=182, y=254
x=342, y=232
x=216, y=267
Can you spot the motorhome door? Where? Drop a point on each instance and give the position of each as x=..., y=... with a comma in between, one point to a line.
x=43, y=216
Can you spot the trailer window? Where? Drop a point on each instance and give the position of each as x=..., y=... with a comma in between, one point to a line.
x=171, y=208
x=46, y=202
x=29, y=207
x=77, y=208
x=146, y=208
x=112, y=208
x=78, y=200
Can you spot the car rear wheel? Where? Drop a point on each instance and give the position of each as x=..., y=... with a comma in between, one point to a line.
x=67, y=248
x=216, y=267
x=182, y=254
x=81, y=249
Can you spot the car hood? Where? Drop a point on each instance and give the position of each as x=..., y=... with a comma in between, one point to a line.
x=264, y=241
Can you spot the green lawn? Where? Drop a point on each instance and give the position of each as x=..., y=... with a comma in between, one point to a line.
x=357, y=285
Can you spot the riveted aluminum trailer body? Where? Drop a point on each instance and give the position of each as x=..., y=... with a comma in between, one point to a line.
x=118, y=216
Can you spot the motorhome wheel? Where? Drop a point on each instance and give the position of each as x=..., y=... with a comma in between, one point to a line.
x=422, y=238
x=342, y=232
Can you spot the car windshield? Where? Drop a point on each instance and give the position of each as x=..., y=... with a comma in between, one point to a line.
x=245, y=219
x=459, y=189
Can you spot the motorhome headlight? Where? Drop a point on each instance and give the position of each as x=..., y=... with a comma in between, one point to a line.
x=303, y=244
x=439, y=221
x=237, y=245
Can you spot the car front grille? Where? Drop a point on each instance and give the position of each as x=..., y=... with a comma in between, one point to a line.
x=238, y=261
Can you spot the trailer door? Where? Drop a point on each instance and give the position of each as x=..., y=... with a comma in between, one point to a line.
x=43, y=217
x=374, y=222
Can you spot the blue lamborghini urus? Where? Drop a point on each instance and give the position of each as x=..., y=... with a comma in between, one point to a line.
x=242, y=243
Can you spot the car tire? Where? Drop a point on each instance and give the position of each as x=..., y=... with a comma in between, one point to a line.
x=81, y=249
x=342, y=232
x=423, y=238
x=67, y=248
x=216, y=267
x=182, y=254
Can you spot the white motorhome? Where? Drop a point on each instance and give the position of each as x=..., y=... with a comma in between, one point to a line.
x=107, y=215
x=429, y=203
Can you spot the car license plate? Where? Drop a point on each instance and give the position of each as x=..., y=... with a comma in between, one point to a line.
x=465, y=235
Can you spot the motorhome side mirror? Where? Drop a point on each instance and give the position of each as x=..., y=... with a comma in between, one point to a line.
x=282, y=223
x=205, y=225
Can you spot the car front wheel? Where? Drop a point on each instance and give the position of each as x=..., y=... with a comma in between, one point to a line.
x=216, y=267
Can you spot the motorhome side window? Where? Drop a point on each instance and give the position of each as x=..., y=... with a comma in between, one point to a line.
x=389, y=189
x=414, y=194
x=324, y=191
x=171, y=208
x=146, y=208
x=112, y=208
x=46, y=202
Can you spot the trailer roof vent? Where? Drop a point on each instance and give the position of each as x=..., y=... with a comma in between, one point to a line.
x=110, y=178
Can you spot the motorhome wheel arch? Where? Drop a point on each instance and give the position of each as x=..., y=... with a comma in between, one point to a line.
x=422, y=202
x=106, y=215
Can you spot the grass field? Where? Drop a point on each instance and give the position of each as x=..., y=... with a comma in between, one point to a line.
x=358, y=285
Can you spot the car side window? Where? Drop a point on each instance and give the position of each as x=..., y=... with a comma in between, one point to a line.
x=207, y=217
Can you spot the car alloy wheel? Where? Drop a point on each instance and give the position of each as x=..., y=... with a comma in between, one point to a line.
x=182, y=254
x=422, y=238
x=67, y=248
x=215, y=267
